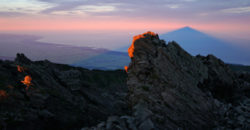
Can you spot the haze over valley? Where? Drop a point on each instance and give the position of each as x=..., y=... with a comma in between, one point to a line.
x=107, y=50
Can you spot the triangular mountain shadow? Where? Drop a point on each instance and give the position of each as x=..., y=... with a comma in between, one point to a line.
x=196, y=42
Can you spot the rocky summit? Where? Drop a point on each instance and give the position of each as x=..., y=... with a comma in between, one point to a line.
x=170, y=89
x=180, y=91
x=165, y=88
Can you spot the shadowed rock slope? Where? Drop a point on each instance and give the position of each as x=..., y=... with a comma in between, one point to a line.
x=60, y=96
x=170, y=89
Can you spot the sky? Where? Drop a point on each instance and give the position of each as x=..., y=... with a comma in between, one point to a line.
x=222, y=17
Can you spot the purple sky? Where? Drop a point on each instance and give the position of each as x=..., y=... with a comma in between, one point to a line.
x=226, y=18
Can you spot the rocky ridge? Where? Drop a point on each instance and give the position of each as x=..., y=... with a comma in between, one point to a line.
x=60, y=96
x=170, y=89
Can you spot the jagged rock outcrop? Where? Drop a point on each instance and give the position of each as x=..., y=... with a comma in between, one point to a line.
x=164, y=79
x=22, y=59
x=179, y=90
x=170, y=89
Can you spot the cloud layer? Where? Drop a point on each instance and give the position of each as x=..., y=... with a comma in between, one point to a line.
x=129, y=7
x=219, y=13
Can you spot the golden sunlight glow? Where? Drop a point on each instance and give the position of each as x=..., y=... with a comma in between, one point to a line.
x=131, y=50
x=135, y=38
x=27, y=81
x=126, y=68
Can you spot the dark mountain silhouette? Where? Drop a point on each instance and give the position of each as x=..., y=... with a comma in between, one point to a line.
x=196, y=42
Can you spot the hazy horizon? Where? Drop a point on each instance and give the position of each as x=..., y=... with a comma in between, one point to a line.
x=108, y=39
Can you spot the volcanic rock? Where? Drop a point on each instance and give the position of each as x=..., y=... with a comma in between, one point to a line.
x=165, y=88
x=170, y=89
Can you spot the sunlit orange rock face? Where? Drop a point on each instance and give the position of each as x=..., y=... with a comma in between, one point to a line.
x=126, y=68
x=27, y=81
x=131, y=50
x=20, y=68
x=132, y=47
x=3, y=94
